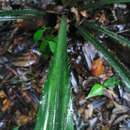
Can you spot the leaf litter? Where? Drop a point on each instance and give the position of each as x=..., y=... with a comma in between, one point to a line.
x=23, y=71
x=105, y=104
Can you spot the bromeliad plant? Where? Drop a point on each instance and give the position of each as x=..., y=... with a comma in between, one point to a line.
x=46, y=43
x=54, y=113
x=54, y=110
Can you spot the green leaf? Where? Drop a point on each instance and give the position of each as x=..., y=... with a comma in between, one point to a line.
x=111, y=82
x=7, y=15
x=121, y=70
x=52, y=44
x=54, y=112
x=48, y=45
x=38, y=34
x=43, y=46
x=97, y=90
x=122, y=40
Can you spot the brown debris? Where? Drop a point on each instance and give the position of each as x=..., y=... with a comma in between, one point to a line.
x=6, y=104
x=97, y=67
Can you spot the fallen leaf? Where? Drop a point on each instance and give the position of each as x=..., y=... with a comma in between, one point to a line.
x=38, y=34
x=110, y=94
x=6, y=105
x=89, y=111
x=2, y=94
x=97, y=67
x=23, y=119
x=111, y=82
x=26, y=60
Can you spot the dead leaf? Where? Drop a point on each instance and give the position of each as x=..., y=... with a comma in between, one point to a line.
x=23, y=119
x=105, y=128
x=120, y=119
x=2, y=94
x=26, y=60
x=6, y=105
x=76, y=13
x=97, y=67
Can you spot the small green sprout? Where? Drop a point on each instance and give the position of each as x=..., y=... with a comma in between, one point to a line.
x=47, y=43
x=98, y=89
x=39, y=34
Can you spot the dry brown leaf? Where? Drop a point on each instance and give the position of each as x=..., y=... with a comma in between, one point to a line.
x=26, y=60
x=2, y=94
x=105, y=128
x=84, y=13
x=97, y=67
x=76, y=13
x=6, y=105
x=23, y=119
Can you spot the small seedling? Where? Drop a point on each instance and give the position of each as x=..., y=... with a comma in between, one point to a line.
x=47, y=43
x=98, y=89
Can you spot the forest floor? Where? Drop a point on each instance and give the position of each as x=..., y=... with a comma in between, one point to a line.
x=23, y=68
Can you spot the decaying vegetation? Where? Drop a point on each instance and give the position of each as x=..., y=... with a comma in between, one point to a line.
x=64, y=65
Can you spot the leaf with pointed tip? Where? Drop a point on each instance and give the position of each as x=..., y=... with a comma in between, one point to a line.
x=38, y=34
x=53, y=111
x=96, y=90
x=111, y=82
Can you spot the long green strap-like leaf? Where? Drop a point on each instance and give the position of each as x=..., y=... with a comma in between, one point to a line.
x=122, y=40
x=53, y=110
x=112, y=59
x=7, y=15
x=101, y=3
